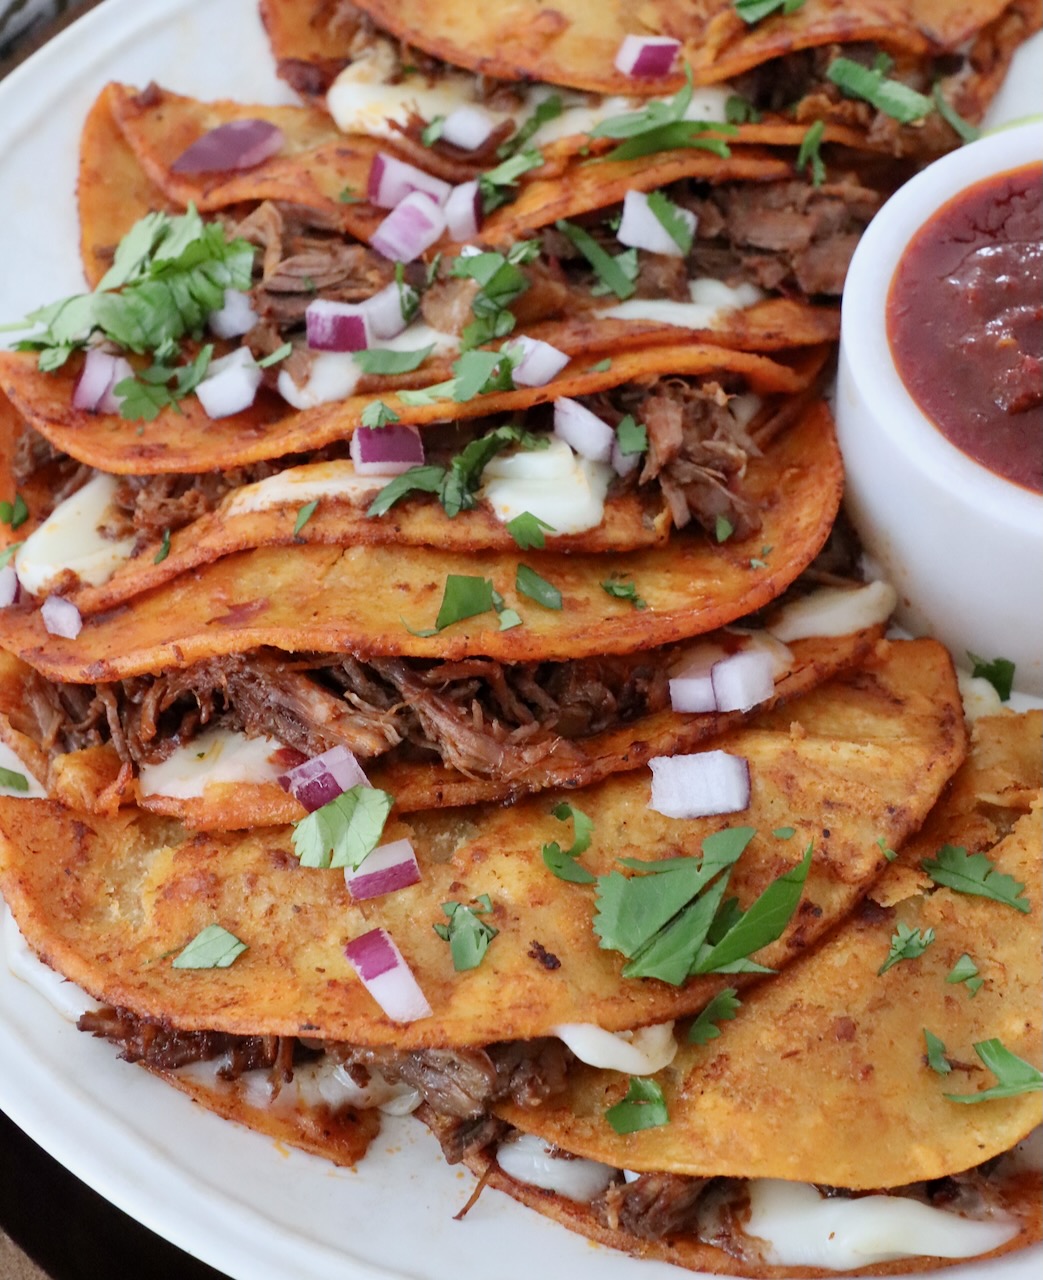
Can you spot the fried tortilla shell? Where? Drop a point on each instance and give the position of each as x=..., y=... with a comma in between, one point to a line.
x=366, y=599
x=834, y=1046
x=106, y=901
x=311, y=41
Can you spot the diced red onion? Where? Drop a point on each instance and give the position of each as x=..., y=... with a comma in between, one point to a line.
x=98, y=370
x=322, y=778
x=8, y=586
x=539, y=364
x=463, y=212
x=468, y=127
x=647, y=56
x=411, y=227
x=384, y=311
x=386, y=451
x=391, y=180
x=388, y=868
x=239, y=144
x=622, y=463
x=61, y=618
x=702, y=785
x=583, y=430
x=744, y=679
x=639, y=228
x=230, y=385
x=336, y=326
x=110, y=401
x=386, y=976
x=235, y=318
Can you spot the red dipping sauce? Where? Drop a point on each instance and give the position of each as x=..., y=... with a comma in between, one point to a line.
x=965, y=323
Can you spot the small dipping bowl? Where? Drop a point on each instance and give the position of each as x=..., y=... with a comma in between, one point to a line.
x=962, y=546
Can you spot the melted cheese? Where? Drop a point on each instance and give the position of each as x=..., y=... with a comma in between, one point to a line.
x=554, y=484
x=835, y=611
x=711, y=300
x=978, y=695
x=218, y=755
x=63, y=996
x=323, y=1083
x=9, y=760
x=638, y=1053
x=802, y=1228
x=69, y=539
x=527, y=1158
x=299, y=485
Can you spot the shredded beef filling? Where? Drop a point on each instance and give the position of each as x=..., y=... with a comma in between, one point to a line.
x=652, y=1206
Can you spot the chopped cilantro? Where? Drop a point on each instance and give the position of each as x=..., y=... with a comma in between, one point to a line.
x=343, y=832
x=966, y=971
x=143, y=396
x=722, y=1008
x=661, y=126
x=1015, y=1075
x=468, y=937
x=496, y=185
x=616, y=276
x=739, y=110
x=752, y=11
x=464, y=596
x=14, y=513
x=529, y=583
x=644, y=1107
x=962, y=872
x=377, y=414
x=276, y=357
x=549, y=109
x=427, y=479
x=672, y=221
x=623, y=589
x=13, y=779
x=963, y=129
x=304, y=515
x=478, y=373
x=631, y=436
x=347, y=195
x=784, y=833
x=999, y=673
x=602, y=366
x=723, y=529
x=891, y=97
x=501, y=281
x=886, y=850
x=164, y=548
x=432, y=131
x=380, y=360
x=8, y=553
x=527, y=531
x=906, y=944
x=936, y=1058
x=563, y=861
x=213, y=948
x=809, y=157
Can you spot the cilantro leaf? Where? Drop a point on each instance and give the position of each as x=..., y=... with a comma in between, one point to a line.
x=432, y=131
x=723, y=529
x=143, y=396
x=963, y=129
x=464, y=597
x=999, y=673
x=885, y=849
x=670, y=218
x=381, y=360
x=966, y=971
x=661, y=126
x=563, y=862
x=549, y=109
x=304, y=515
x=496, y=185
x=623, y=589
x=891, y=97
x=906, y=944
x=164, y=548
x=426, y=479
x=343, y=832
x=739, y=110
x=377, y=414
x=8, y=553
x=213, y=948
x=809, y=154
x=722, y=1008
x=631, y=436
x=752, y=11
x=784, y=833
x=481, y=372
x=527, y=531
x=468, y=937
x=936, y=1058
x=14, y=513
x=609, y=270
x=1015, y=1075
x=529, y=583
x=276, y=356
x=13, y=779
x=962, y=872
x=644, y=1107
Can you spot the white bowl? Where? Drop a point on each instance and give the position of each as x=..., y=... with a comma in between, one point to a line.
x=962, y=546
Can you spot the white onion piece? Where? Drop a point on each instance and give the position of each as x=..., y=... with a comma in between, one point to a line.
x=99, y=369
x=8, y=586
x=693, y=694
x=230, y=385
x=763, y=641
x=583, y=430
x=388, y=868
x=701, y=785
x=647, y=56
x=539, y=364
x=386, y=311
x=623, y=463
x=528, y=1159
x=463, y=214
x=468, y=127
x=391, y=180
x=336, y=326
x=411, y=227
x=235, y=317
x=239, y=144
x=386, y=451
x=742, y=680
x=835, y=611
x=61, y=618
x=639, y=228
x=386, y=976
x=322, y=778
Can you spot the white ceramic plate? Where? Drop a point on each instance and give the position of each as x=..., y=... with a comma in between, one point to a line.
x=234, y=1199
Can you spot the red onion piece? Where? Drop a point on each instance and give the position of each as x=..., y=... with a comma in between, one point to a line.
x=386, y=976
x=391, y=180
x=8, y=586
x=468, y=127
x=702, y=785
x=322, y=778
x=235, y=318
x=99, y=368
x=230, y=385
x=622, y=463
x=386, y=451
x=411, y=227
x=390, y=311
x=388, y=868
x=463, y=211
x=336, y=326
x=540, y=363
x=239, y=144
x=742, y=680
x=110, y=401
x=583, y=430
x=647, y=56
x=639, y=228
x=61, y=618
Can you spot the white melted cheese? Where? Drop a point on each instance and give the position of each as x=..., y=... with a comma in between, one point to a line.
x=711, y=301
x=834, y=611
x=219, y=755
x=323, y=1083
x=554, y=484
x=978, y=695
x=638, y=1053
x=63, y=996
x=805, y=1229
x=527, y=1158
x=69, y=539
x=334, y=375
x=297, y=486
x=9, y=760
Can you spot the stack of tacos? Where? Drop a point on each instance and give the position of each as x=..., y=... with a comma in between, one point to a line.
x=303, y=695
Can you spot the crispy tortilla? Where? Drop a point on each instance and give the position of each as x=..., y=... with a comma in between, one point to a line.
x=147, y=887
x=365, y=599
x=834, y=1047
